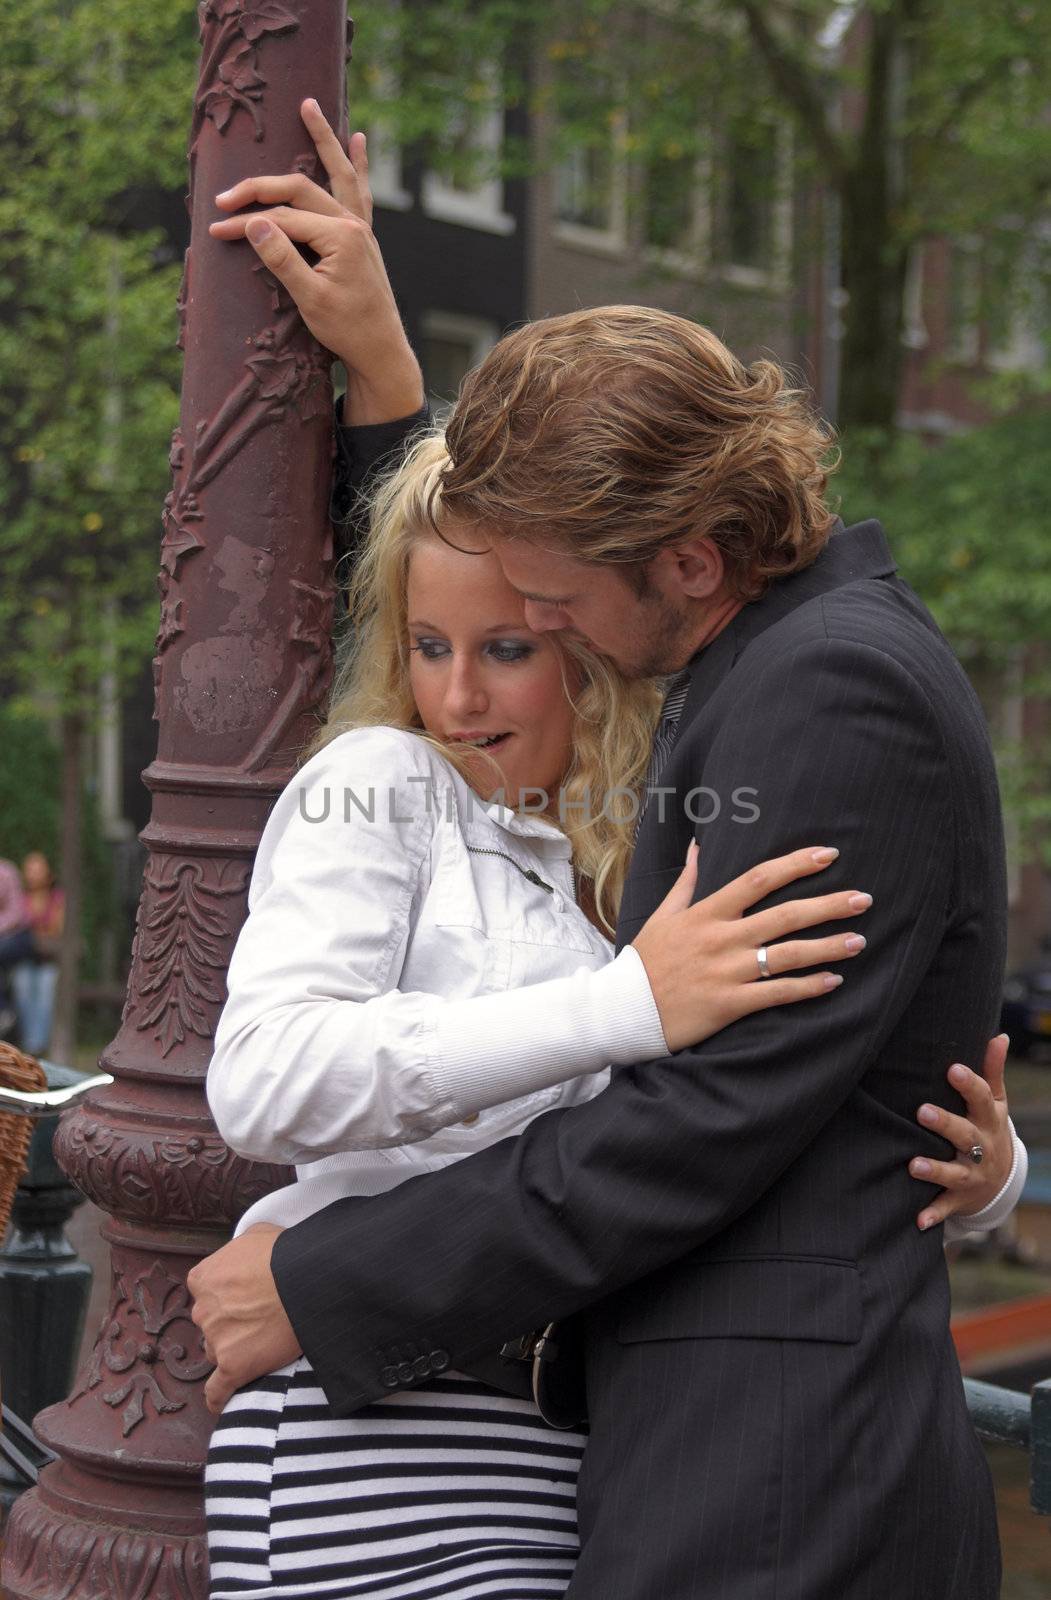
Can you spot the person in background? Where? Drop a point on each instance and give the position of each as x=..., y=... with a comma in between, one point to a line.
x=34, y=976
x=15, y=943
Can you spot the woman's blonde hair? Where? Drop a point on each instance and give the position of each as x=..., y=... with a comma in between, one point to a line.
x=614, y=716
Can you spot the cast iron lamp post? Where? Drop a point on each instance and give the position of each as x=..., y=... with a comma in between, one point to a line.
x=242, y=661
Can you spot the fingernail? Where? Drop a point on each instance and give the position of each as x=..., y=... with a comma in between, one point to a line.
x=833, y=980
x=854, y=941
x=693, y=849
x=312, y=105
x=958, y=1073
x=859, y=902
x=224, y=194
x=826, y=854
x=920, y=1168
x=925, y=1223
x=929, y=1114
x=1006, y=1037
x=258, y=229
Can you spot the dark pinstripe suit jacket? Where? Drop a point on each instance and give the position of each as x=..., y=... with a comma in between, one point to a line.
x=776, y=1409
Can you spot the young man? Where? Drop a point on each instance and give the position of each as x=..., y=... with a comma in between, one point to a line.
x=774, y=1402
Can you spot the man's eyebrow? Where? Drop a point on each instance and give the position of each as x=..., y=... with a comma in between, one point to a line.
x=546, y=599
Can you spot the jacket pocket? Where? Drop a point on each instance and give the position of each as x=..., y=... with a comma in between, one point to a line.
x=753, y=1297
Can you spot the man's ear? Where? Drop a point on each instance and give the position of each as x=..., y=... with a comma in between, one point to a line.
x=692, y=567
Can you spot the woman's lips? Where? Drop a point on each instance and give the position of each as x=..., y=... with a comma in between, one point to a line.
x=472, y=741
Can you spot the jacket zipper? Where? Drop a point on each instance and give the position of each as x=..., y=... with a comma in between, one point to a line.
x=534, y=877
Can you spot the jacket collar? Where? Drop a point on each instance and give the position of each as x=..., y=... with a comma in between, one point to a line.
x=860, y=551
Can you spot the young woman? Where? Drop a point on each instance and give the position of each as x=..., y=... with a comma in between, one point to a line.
x=426, y=967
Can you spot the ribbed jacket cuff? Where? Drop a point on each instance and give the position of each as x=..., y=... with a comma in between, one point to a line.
x=996, y=1213
x=493, y=1048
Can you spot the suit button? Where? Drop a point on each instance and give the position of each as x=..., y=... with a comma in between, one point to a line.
x=389, y=1377
x=439, y=1360
x=406, y=1375
x=422, y=1367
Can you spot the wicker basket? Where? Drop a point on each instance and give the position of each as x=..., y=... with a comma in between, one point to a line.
x=17, y=1071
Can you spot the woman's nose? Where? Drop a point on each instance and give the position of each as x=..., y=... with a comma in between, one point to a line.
x=465, y=693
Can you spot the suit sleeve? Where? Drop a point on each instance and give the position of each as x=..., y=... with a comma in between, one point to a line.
x=843, y=749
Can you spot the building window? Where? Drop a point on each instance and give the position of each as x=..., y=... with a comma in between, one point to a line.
x=964, y=301
x=1015, y=302
x=474, y=199
x=753, y=205
x=386, y=178
x=450, y=345
x=591, y=192
x=914, y=334
x=675, y=210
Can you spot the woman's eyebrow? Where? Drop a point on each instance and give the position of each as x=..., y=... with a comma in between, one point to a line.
x=496, y=627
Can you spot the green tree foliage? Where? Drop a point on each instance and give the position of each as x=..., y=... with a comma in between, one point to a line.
x=968, y=522
x=919, y=118
x=94, y=98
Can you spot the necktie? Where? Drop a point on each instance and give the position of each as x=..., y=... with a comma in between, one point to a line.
x=664, y=738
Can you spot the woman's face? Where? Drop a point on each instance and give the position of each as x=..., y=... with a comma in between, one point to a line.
x=36, y=873
x=480, y=676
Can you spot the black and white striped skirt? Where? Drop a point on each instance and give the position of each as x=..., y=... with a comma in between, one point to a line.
x=450, y=1491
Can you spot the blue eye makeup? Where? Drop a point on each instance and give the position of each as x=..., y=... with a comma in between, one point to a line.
x=507, y=651
x=510, y=650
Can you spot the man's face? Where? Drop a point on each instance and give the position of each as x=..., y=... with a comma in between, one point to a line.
x=645, y=634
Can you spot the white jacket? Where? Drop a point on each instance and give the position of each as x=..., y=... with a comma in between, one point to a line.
x=406, y=989
x=416, y=981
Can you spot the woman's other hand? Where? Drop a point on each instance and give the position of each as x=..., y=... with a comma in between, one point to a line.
x=702, y=959
x=967, y=1186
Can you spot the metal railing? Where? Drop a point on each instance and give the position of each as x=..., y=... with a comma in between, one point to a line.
x=1003, y=1416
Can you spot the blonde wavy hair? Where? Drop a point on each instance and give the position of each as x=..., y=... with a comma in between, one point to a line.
x=614, y=717
x=617, y=430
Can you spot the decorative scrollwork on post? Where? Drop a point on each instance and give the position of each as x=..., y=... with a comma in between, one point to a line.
x=178, y=1179
x=230, y=79
x=136, y=1347
x=310, y=631
x=53, y=1560
x=184, y=940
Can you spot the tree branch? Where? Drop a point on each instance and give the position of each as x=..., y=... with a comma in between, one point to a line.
x=968, y=94
x=798, y=83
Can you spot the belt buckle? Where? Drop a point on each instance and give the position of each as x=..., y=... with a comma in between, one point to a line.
x=524, y=1347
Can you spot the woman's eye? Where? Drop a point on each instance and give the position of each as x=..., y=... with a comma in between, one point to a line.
x=430, y=649
x=511, y=652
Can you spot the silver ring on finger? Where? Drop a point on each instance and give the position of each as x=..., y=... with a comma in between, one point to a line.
x=764, y=965
x=977, y=1154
